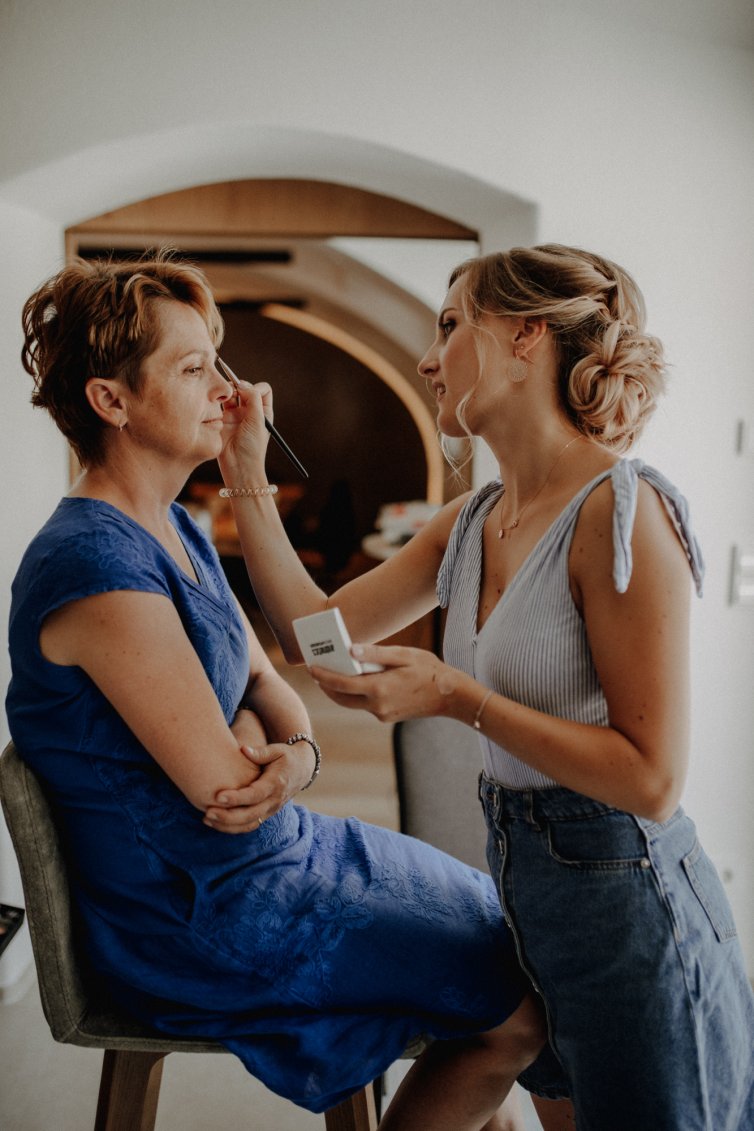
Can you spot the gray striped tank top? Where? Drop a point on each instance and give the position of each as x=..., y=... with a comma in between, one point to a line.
x=533, y=646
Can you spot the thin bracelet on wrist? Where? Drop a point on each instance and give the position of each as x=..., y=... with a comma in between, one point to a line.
x=246, y=492
x=477, y=723
x=301, y=737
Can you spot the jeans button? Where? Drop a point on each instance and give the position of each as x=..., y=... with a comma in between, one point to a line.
x=646, y=862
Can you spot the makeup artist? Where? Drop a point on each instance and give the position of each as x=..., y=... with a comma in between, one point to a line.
x=315, y=949
x=566, y=581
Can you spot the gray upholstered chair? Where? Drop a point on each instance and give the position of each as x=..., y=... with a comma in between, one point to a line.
x=437, y=764
x=77, y=1013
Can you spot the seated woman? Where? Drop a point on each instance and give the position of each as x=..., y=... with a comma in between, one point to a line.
x=313, y=948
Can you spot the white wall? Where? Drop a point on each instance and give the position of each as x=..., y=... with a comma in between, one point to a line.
x=33, y=468
x=632, y=142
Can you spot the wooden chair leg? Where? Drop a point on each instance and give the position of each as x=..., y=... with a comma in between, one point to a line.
x=129, y=1090
x=354, y=1114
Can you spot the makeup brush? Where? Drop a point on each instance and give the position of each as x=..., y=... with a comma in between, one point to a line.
x=230, y=376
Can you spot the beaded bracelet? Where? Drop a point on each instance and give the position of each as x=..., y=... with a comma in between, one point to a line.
x=245, y=492
x=301, y=737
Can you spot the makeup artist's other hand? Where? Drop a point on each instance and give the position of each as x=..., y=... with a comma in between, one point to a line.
x=414, y=683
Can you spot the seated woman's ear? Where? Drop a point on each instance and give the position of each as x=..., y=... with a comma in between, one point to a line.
x=105, y=395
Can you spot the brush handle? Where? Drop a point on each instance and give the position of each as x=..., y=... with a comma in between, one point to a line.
x=282, y=444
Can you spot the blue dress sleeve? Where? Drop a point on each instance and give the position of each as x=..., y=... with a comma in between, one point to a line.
x=625, y=477
x=96, y=557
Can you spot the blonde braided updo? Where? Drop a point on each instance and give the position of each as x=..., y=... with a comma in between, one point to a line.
x=610, y=370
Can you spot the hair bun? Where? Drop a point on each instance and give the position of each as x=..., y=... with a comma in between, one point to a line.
x=613, y=390
x=610, y=371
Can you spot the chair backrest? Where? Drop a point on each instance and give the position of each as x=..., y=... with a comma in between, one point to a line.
x=77, y=1006
x=45, y=884
x=437, y=765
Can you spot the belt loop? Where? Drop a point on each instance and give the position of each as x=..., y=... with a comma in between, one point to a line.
x=488, y=796
x=494, y=800
x=497, y=801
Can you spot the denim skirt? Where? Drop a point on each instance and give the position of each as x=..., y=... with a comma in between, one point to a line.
x=624, y=928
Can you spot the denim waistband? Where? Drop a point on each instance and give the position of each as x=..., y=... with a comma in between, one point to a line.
x=558, y=803
x=551, y=803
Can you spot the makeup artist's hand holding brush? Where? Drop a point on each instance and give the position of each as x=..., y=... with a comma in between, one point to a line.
x=242, y=460
x=236, y=402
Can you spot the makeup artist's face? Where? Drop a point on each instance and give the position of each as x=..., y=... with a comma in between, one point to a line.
x=451, y=364
x=179, y=410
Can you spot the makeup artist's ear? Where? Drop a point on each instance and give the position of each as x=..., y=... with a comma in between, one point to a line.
x=528, y=333
x=105, y=396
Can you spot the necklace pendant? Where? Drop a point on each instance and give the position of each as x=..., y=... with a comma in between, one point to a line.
x=501, y=534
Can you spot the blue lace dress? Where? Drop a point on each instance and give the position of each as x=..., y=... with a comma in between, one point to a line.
x=314, y=948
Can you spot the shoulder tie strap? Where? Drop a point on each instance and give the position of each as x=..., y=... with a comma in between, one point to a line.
x=625, y=478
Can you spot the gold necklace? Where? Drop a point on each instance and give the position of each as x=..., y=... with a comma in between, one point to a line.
x=507, y=529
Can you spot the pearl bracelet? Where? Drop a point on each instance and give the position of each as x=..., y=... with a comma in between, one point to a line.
x=245, y=492
x=301, y=737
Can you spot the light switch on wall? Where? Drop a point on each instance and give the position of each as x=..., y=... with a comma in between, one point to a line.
x=744, y=439
x=742, y=576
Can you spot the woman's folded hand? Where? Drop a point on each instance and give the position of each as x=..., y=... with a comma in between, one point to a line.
x=280, y=775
